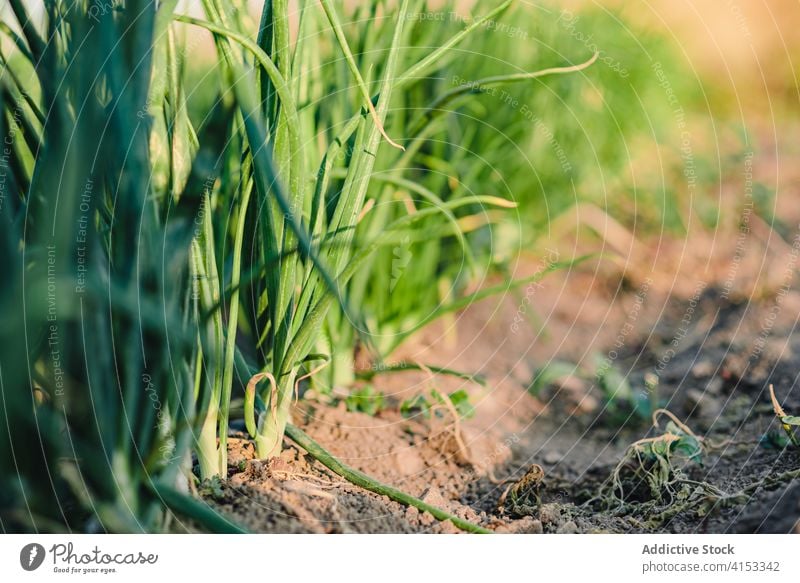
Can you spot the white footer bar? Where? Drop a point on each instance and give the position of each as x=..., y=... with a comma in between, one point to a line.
x=445, y=558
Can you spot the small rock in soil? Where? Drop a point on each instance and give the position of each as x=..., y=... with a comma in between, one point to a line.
x=427, y=519
x=412, y=514
x=448, y=527
x=702, y=404
x=587, y=404
x=240, y=479
x=289, y=455
x=240, y=451
x=525, y=525
x=703, y=369
x=433, y=497
x=408, y=462
x=568, y=528
x=466, y=513
x=550, y=513
x=715, y=385
x=552, y=457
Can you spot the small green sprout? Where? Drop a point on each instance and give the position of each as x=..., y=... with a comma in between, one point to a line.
x=436, y=405
x=365, y=400
x=212, y=488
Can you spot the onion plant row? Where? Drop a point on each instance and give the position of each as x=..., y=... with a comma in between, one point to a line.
x=158, y=265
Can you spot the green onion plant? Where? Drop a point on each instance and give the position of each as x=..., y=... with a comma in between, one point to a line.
x=333, y=194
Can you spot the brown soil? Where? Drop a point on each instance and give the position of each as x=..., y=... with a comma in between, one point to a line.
x=716, y=381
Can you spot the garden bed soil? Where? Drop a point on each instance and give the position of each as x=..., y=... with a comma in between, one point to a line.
x=723, y=352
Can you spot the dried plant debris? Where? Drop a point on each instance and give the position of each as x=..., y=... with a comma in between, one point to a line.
x=788, y=422
x=523, y=497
